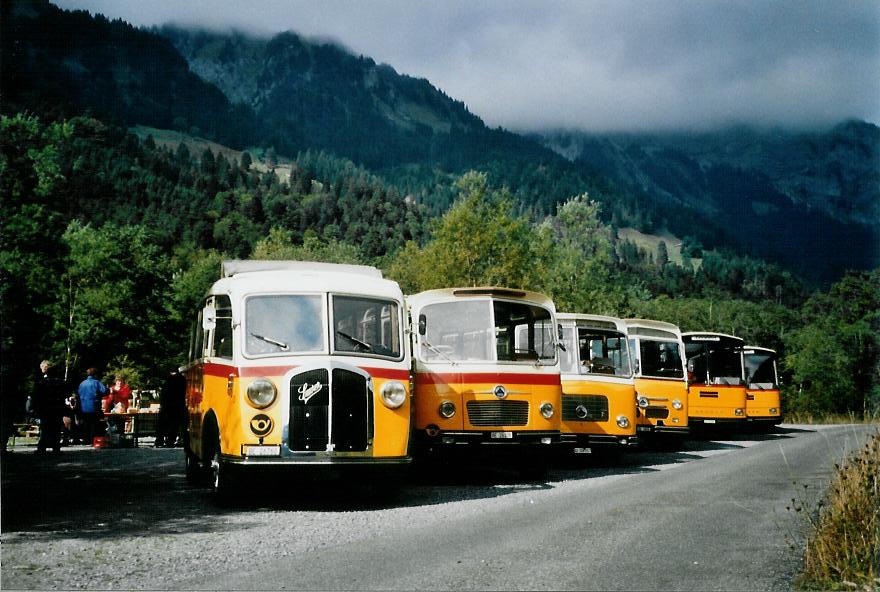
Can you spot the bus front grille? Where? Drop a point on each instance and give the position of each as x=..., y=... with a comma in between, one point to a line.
x=656, y=412
x=498, y=413
x=584, y=408
x=352, y=411
x=309, y=411
x=330, y=411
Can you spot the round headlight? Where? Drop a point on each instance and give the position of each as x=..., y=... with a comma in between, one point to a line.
x=622, y=421
x=547, y=410
x=676, y=404
x=447, y=409
x=581, y=412
x=393, y=394
x=261, y=393
x=643, y=402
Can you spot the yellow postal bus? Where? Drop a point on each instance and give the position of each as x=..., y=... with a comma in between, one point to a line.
x=485, y=369
x=297, y=363
x=660, y=377
x=598, y=392
x=763, y=404
x=717, y=392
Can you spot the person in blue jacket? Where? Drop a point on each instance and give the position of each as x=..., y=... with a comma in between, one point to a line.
x=89, y=392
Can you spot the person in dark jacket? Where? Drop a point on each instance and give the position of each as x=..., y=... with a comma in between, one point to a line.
x=90, y=391
x=172, y=410
x=48, y=407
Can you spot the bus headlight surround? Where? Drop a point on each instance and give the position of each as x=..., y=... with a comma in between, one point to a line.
x=447, y=409
x=261, y=393
x=393, y=394
x=622, y=421
x=676, y=404
x=547, y=410
x=643, y=402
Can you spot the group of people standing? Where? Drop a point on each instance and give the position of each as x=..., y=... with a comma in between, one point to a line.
x=63, y=415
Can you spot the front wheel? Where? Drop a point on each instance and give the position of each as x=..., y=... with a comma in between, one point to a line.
x=222, y=482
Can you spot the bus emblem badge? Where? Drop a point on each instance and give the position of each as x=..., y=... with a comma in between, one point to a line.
x=306, y=392
x=500, y=391
x=261, y=424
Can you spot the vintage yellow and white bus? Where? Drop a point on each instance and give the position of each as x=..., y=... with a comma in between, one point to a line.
x=660, y=377
x=763, y=403
x=298, y=363
x=485, y=371
x=717, y=392
x=598, y=391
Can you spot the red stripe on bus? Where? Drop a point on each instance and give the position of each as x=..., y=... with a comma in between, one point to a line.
x=487, y=377
x=223, y=370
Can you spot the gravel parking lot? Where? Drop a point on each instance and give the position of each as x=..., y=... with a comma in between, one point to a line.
x=127, y=519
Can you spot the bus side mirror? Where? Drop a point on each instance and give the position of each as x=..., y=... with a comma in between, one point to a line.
x=209, y=317
x=423, y=324
x=559, y=342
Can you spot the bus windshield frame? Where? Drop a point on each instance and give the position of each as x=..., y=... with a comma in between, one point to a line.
x=487, y=331
x=300, y=324
x=713, y=360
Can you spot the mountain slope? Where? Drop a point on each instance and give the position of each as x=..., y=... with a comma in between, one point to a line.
x=67, y=63
x=810, y=200
x=319, y=95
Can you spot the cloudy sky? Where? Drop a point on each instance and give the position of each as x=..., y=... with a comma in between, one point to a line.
x=597, y=65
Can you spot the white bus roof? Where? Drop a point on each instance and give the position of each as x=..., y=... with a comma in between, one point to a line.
x=480, y=291
x=598, y=321
x=652, y=325
x=709, y=334
x=759, y=348
x=308, y=277
x=238, y=266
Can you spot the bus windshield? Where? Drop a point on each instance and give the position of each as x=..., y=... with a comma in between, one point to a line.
x=366, y=326
x=595, y=351
x=661, y=359
x=760, y=369
x=284, y=324
x=715, y=362
x=487, y=331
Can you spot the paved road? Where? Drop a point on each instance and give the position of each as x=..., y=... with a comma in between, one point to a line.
x=710, y=516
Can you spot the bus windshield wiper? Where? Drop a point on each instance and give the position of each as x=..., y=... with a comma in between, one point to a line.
x=280, y=344
x=437, y=351
x=355, y=340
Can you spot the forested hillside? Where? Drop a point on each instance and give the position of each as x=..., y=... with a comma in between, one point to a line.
x=810, y=200
x=109, y=238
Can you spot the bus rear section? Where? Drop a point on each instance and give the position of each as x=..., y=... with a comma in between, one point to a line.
x=763, y=401
x=485, y=374
x=660, y=378
x=298, y=367
x=717, y=392
x=598, y=392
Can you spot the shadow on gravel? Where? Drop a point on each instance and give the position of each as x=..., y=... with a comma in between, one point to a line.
x=90, y=493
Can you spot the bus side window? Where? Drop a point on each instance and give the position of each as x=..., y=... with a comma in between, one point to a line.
x=223, y=330
x=198, y=345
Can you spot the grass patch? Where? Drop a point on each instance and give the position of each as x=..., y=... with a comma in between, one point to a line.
x=843, y=547
x=801, y=417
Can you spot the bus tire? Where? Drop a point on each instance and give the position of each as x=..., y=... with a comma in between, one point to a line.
x=222, y=482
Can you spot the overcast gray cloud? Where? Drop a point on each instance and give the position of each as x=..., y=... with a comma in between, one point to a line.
x=592, y=65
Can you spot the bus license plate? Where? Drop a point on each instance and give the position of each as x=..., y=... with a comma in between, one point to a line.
x=502, y=435
x=708, y=421
x=582, y=451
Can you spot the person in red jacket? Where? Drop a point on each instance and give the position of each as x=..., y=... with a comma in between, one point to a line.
x=120, y=393
x=119, y=398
